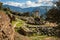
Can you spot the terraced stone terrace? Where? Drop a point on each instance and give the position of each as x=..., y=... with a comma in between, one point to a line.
x=47, y=30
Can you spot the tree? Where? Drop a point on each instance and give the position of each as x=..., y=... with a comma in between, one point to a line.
x=53, y=15
x=58, y=3
x=6, y=9
x=1, y=5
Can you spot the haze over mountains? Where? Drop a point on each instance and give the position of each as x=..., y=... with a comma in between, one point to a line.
x=42, y=9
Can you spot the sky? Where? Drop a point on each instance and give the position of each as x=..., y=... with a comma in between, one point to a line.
x=28, y=3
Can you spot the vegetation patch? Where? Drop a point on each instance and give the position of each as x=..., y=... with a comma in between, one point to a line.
x=43, y=37
x=20, y=23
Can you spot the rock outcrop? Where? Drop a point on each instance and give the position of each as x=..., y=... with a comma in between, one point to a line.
x=6, y=30
x=30, y=20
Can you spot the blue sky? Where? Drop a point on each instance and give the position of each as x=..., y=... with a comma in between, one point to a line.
x=28, y=3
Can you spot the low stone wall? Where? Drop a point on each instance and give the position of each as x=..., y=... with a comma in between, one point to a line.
x=49, y=31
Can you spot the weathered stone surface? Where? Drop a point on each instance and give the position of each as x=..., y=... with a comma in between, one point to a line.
x=6, y=30
x=30, y=20
x=44, y=30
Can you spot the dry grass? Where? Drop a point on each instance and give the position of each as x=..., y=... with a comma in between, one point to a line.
x=44, y=38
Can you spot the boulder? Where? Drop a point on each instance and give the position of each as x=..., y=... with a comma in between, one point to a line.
x=30, y=20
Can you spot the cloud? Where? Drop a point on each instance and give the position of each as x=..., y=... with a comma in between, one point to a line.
x=44, y=0
x=14, y=3
x=23, y=5
x=30, y=3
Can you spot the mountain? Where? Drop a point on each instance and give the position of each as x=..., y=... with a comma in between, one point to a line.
x=13, y=8
x=42, y=9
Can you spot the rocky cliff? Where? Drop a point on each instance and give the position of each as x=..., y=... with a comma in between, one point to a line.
x=6, y=30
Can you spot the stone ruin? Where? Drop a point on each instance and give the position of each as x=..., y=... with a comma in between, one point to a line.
x=6, y=30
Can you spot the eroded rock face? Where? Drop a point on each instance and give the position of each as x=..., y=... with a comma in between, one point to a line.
x=6, y=30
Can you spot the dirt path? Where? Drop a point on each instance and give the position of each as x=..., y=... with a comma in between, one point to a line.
x=20, y=37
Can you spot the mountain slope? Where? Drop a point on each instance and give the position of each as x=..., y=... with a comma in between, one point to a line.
x=42, y=9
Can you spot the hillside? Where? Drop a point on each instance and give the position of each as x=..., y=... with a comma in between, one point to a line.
x=6, y=30
x=17, y=24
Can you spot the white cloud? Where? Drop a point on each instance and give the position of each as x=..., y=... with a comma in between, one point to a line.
x=23, y=5
x=30, y=3
x=14, y=3
x=44, y=0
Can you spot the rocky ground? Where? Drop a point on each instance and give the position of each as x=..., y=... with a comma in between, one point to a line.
x=6, y=29
x=43, y=29
x=21, y=37
x=7, y=32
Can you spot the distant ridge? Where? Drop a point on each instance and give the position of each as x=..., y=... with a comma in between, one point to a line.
x=42, y=9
